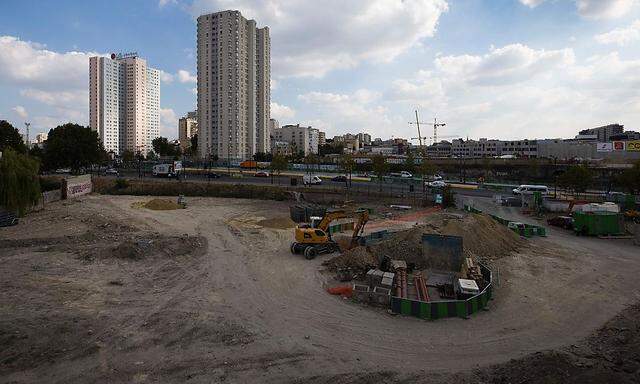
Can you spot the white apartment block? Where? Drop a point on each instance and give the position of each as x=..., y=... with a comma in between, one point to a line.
x=187, y=128
x=234, y=79
x=301, y=139
x=124, y=102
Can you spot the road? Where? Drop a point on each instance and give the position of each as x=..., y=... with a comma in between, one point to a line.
x=400, y=186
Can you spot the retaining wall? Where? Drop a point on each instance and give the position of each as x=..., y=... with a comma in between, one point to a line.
x=441, y=309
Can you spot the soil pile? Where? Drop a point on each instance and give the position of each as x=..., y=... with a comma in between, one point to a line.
x=160, y=205
x=482, y=237
x=358, y=259
x=277, y=223
x=156, y=246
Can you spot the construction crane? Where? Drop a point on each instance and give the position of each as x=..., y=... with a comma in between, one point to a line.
x=314, y=239
x=435, y=130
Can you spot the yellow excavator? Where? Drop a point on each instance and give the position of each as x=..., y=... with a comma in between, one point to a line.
x=314, y=239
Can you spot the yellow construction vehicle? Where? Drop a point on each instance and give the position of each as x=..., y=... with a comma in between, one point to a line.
x=314, y=239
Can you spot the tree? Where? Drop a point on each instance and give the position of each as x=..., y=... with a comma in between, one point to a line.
x=151, y=155
x=577, y=178
x=410, y=162
x=72, y=145
x=279, y=163
x=128, y=156
x=10, y=138
x=194, y=144
x=380, y=167
x=163, y=147
x=332, y=148
x=629, y=179
x=347, y=164
x=19, y=184
x=311, y=161
x=262, y=156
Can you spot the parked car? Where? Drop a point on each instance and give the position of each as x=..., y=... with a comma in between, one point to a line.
x=530, y=189
x=339, y=178
x=403, y=174
x=213, y=175
x=436, y=184
x=63, y=170
x=512, y=202
x=565, y=222
x=311, y=180
x=261, y=174
x=111, y=171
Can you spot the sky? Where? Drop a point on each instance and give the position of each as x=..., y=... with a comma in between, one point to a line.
x=505, y=69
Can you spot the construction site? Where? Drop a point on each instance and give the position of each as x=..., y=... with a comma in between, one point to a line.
x=102, y=288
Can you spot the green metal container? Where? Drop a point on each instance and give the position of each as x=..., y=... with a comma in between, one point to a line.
x=597, y=223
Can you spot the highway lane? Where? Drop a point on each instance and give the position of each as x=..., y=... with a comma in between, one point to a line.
x=327, y=185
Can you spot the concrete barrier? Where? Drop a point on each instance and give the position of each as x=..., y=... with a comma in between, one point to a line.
x=361, y=293
x=76, y=186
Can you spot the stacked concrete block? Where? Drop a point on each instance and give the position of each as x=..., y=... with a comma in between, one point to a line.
x=381, y=296
x=374, y=277
x=387, y=280
x=361, y=293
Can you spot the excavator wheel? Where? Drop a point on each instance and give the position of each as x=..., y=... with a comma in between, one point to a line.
x=294, y=247
x=310, y=253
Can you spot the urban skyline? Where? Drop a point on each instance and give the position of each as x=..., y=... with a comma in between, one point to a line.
x=533, y=77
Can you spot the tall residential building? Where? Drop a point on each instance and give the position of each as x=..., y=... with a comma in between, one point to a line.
x=124, y=102
x=322, y=138
x=234, y=79
x=187, y=128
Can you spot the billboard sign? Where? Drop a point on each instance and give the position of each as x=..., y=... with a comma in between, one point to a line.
x=604, y=147
x=618, y=145
x=633, y=145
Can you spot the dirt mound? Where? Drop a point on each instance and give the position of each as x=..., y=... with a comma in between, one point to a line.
x=156, y=246
x=482, y=237
x=158, y=205
x=277, y=223
x=359, y=258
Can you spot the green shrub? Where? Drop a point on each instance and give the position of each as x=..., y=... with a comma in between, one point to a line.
x=122, y=184
x=49, y=184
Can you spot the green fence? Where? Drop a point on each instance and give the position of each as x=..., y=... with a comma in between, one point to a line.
x=440, y=309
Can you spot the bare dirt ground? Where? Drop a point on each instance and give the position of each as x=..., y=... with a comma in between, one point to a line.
x=95, y=290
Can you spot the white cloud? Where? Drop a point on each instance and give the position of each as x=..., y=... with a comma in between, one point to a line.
x=194, y=91
x=342, y=34
x=509, y=64
x=168, y=123
x=28, y=63
x=163, y=3
x=532, y=94
x=604, y=9
x=67, y=99
x=166, y=77
x=186, y=77
x=621, y=36
x=360, y=111
x=595, y=9
x=20, y=111
x=532, y=3
x=281, y=113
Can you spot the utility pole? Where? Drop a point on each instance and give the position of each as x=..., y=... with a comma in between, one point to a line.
x=27, y=125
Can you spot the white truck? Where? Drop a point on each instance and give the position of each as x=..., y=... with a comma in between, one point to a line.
x=311, y=180
x=167, y=170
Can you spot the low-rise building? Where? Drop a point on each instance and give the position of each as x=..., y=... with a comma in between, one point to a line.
x=301, y=139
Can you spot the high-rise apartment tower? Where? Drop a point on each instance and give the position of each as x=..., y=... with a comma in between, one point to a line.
x=234, y=78
x=124, y=102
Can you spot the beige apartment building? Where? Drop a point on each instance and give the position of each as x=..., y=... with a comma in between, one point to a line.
x=124, y=102
x=234, y=78
x=300, y=138
x=187, y=128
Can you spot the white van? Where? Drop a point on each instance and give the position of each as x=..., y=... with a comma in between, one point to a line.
x=530, y=189
x=311, y=180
